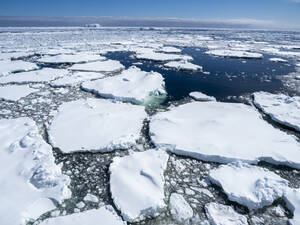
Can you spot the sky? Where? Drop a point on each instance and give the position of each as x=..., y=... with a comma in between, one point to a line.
x=285, y=12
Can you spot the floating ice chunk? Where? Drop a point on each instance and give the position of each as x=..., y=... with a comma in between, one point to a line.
x=223, y=215
x=235, y=54
x=91, y=198
x=131, y=85
x=278, y=60
x=298, y=64
x=292, y=199
x=14, y=55
x=180, y=210
x=43, y=75
x=104, y=215
x=156, y=56
x=221, y=132
x=77, y=58
x=15, y=92
x=96, y=125
x=28, y=172
x=99, y=66
x=281, y=108
x=168, y=49
x=75, y=78
x=199, y=96
x=183, y=65
x=137, y=184
x=7, y=67
x=251, y=186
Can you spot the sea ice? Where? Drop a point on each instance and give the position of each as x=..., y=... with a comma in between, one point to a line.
x=199, y=96
x=67, y=58
x=281, y=108
x=91, y=198
x=29, y=175
x=169, y=49
x=99, y=66
x=131, y=85
x=183, y=65
x=137, y=184
x=43, y=75
x=180, y=210
x=104, y=215
x=278, y=60
x=223, y=215
x=223, y=132
x=15, y=92
x=7, y=67
x=96, y=125
x=234, y=54
x=251, y=186
x=157, y=56
x=292, y=199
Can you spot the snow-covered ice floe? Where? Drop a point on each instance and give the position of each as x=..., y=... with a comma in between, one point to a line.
x=169, y=49
x=281, y=108
x=29, y=176
x=251, y=186
x=131, y=85
x=96, y=125
x=235, y=54
x=75, y=78
x=180, y=210
x=223, y=132
x=67, y=58
x=158, y=56
x=43, y=75
x=292, y=199
x=278, y=60
x=7, y=67
x=104, y=215
x=183, y=65
x=14, y=55
x=15, y=92
x=137, y=184
x=99, y=66
x=199, y=96
x=219, y=214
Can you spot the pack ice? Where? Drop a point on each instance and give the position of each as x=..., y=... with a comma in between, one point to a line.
x=96, y=125
x=137, y=184
x=68, y=58
x=158, y=56
x=183, y=65
x=7, y=67
x=281, y=108
x=131, y=85
x=15, y=92
x=223, y=132
x=27, y=164
x=235, y=54
x=99, y=66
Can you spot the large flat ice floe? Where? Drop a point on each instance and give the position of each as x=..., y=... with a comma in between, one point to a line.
x=99, y=66
x=96, y=125
x=235, y=54
x=43, y=75
x=281, y=108
x=131, y=85
x=15, y=92
x=157, y=56
x=137, y=184
x=183, y=65
x=219, y=214
x=199, y=96
x=29, y=177
x=251, y=186
x=104, y=215
x=223, y=132
x=68, y=58
x=7, y=67
x=292, y=199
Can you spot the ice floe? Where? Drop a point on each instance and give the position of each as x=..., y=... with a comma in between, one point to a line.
x=183, y=65
x=43, y=75
x=7, y=67
x=180, y=210
x=99, y=66
x=199, y=96
x=169, y=49
x=281, y=108
x=157, y=56
x=278, y=60
x=67, y=58
x=104, y=215
x=215, y=131
x=132, y=85
x=14, y=55
x=27, y=164
x=15, y=92
x=235, y=54
x=137, y=184
x=96, y=125
x=292, y=199
x=219, y=214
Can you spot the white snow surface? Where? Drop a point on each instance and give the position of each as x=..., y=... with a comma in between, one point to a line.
x=96, y=125
x=234, y=54
x=27, y=164
x=157, y=56
x=104, y=216
x=292, y=199
x=137, y=184
x=209, y=131
x=99, y=66
x=43, y=75
x=180, y=210
x=7, y=67
x=219, y=214
x=251, y=186
x=278, y=60
x=131, y=85
x=15, y=92
x=281, y=108
x=199, y=96
x=183, y=65
x=68, y=58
